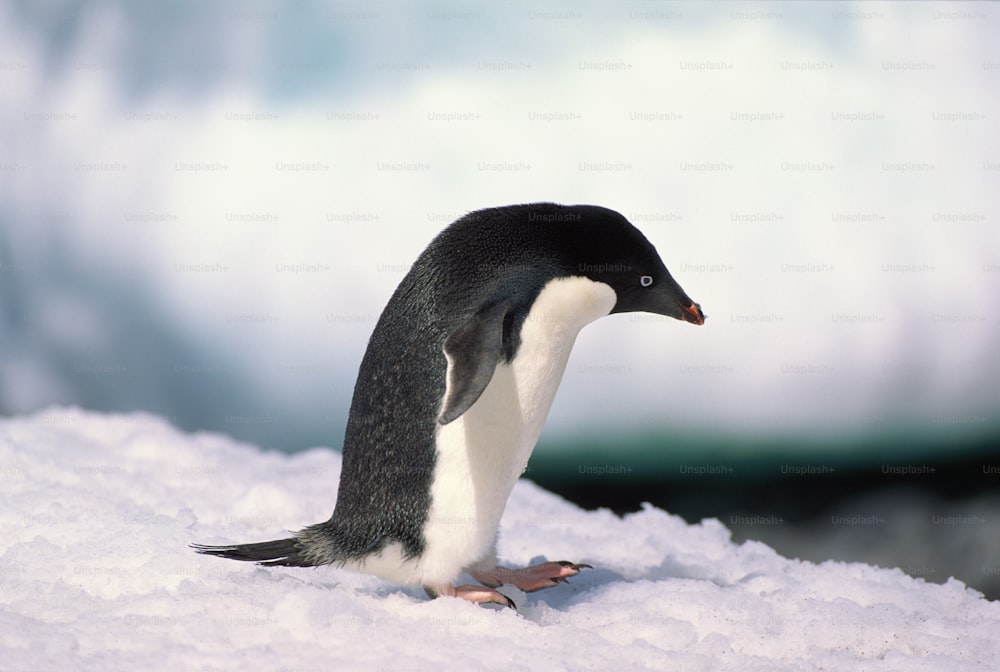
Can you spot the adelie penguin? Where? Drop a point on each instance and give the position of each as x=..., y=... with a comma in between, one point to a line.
x=455, y=386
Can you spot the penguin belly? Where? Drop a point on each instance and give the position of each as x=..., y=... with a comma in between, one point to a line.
x=481, y=454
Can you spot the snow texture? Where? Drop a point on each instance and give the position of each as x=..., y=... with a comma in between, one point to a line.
x=96, y=573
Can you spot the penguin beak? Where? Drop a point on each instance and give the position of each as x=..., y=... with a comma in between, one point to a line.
x=666, y=298
x=692, y=314
x=674, y=302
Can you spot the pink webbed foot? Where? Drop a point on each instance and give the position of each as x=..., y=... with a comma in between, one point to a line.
x=477, y=594
x=530, y=579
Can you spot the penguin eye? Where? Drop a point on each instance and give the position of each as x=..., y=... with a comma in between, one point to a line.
x=645, y=280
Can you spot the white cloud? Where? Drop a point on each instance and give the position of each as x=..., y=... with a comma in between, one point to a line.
x=822, y=187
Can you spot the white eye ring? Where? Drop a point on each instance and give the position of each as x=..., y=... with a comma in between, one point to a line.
x=645, y=280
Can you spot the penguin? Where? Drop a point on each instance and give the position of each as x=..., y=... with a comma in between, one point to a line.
x=454, y=387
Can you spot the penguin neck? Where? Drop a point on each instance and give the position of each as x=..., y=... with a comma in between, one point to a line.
x=561, y=310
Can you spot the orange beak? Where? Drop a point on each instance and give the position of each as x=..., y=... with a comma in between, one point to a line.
x=693, y=314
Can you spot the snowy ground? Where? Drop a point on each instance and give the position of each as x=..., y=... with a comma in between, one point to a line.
x=95, y=573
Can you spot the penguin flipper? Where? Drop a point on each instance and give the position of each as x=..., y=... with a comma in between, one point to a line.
x=473, y=351
x=287, y=552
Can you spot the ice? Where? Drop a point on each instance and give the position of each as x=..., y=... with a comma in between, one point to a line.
x=96, y=573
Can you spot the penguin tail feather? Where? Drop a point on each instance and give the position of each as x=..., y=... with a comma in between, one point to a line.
x=286, y=552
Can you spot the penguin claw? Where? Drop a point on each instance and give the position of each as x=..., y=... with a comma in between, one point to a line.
x=573, y=565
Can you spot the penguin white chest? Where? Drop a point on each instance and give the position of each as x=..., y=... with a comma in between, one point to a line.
x=481, y=454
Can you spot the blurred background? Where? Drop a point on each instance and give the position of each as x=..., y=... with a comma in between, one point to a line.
x=205, y=206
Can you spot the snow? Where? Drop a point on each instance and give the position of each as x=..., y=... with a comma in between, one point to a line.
x=96, y=573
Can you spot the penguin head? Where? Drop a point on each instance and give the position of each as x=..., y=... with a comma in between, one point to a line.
x=511, y=252
x=614, y=252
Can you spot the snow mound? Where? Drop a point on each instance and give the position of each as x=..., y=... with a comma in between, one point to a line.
x=96, y=573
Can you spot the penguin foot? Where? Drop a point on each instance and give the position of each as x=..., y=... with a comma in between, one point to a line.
x=477, y=594
x=530, y=579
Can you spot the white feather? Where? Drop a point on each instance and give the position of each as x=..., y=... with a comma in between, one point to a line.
x=481, y=455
